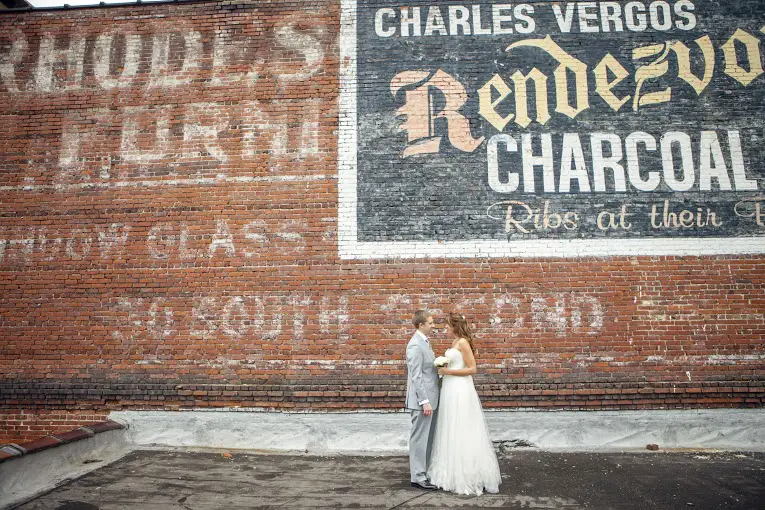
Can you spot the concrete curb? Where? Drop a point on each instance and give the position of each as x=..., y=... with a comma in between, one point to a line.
x=26, y=476
x=387, y=433
x=12, y=450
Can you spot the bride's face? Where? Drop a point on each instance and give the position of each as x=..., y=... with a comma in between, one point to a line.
x=451, y=331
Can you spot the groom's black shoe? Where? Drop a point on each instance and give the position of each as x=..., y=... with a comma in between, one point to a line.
x=425, y=484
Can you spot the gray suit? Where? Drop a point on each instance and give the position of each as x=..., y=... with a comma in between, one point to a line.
x=421, y=384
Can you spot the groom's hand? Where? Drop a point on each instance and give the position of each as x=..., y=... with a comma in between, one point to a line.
x=427, y=410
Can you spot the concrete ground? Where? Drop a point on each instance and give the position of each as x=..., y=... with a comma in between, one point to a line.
x=150, y=479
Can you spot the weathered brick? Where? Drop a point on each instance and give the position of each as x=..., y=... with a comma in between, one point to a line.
x=171, y=229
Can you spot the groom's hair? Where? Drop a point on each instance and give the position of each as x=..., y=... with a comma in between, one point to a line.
x=420, y=317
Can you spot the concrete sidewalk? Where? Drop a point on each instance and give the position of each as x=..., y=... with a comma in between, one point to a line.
x=150, y=479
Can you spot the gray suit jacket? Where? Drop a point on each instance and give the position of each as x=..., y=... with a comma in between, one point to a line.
x=422, y=376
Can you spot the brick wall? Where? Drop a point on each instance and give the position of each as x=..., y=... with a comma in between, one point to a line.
x=176, y=230
x=20, y=426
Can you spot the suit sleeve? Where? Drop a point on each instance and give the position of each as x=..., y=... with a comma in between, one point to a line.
x=414, y=363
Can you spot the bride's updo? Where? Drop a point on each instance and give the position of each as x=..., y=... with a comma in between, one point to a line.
x=461, y=328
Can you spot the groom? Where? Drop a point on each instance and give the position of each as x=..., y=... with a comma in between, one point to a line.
x=421, y=397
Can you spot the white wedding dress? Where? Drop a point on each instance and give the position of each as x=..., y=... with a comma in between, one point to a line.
x=462, y=457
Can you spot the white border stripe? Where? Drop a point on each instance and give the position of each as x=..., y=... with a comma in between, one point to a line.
x=347, y=142
x=554, y=248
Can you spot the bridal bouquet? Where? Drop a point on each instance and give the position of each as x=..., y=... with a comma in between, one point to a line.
x=439, y=362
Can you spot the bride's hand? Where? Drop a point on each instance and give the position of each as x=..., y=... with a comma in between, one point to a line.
x=443, y=371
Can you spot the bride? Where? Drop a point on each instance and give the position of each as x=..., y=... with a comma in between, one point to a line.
x=462, y=457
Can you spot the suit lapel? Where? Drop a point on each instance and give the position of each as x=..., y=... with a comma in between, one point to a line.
x=424, y=345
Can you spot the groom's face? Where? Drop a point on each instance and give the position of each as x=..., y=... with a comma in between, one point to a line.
x=427, y=327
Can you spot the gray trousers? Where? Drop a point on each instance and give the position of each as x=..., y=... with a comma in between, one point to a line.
x=420, y=444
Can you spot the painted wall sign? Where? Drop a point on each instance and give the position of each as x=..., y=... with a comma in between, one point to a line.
x=551, y=128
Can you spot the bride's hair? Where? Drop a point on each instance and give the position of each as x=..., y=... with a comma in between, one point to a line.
x=461, y=328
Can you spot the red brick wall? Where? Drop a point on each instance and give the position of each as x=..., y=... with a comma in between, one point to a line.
x=169, y=240
x=20, y=426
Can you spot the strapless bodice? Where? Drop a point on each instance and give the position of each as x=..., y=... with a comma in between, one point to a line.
x=455, y=358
